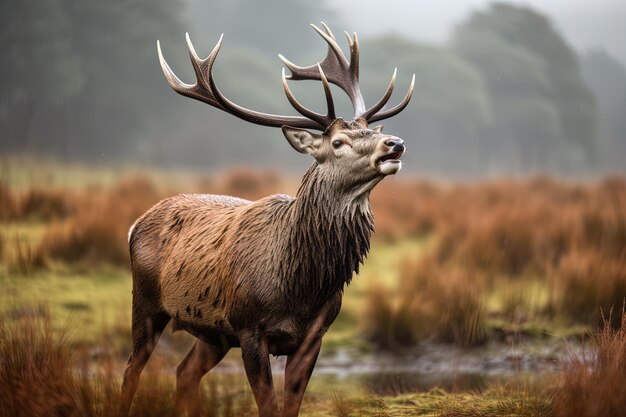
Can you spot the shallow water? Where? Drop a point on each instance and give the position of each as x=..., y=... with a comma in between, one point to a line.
x=444, y=366
x=494, y=359
x=434, y=365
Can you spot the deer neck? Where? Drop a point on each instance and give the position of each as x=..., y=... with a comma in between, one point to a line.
x=329, y=234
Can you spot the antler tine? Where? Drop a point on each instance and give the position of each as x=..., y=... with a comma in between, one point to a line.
x=206, y=91
x=320, y=118
x=384, y=99
x=329, y=96
x=328, y=31
x=336, y=68
x=332, y=43
x=398, y=108
x=175, y=82
x=349, y=38
x=354, y=54
x=292, y=67
x=171, y=78
x=202, y=66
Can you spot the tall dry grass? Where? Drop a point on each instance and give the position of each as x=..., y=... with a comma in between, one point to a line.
x=2, y=247
x=511, y=228
x=24, y=259
x=388, y=324
x=43, y=373
x=46, y=204
x=499, y=234
x=446, y=303
x=586, y=283
x=593, y=385
x=38, y=374
x=36, y=203
x=408, y=208
x=96, y=232
x=8, y=206
x=246, y=183
x=436, y=303
x=91, y=226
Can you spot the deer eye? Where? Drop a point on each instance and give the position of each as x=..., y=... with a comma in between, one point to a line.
x=337, y=144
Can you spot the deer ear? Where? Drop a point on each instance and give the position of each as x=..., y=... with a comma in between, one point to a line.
x=378, y=129
x=302, y=140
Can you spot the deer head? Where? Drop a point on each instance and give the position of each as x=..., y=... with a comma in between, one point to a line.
x=351, y=153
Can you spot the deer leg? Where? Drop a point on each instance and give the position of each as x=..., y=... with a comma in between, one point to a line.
x=200, y=359
x=298, y=371
x=146, y=330
x=255, y=354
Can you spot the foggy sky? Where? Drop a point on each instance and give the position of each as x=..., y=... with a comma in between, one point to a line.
x=586, y=24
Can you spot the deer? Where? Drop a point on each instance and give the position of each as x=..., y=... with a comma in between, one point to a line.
x=265, y=276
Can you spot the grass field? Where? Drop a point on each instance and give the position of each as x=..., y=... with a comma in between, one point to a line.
x=460, y=266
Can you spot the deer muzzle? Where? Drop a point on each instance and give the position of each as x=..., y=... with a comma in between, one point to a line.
x=389, y=163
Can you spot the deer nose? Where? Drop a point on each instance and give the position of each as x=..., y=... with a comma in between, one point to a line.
x=396, y=144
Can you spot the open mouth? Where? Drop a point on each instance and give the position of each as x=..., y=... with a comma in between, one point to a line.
x=392, y=157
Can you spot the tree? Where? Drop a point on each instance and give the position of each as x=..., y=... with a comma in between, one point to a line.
x=450, y=107
x=525, y=119
x=524, y=60
x=116, y=43
x=83, y=73
x=39, y=66
x=606, y=76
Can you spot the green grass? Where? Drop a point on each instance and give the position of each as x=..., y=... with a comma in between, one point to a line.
x=496, y=402
x=383, y=264
x=91, y=301
x=381, y=270
x=20, y=239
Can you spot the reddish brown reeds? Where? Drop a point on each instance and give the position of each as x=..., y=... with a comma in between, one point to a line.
x=592, y=385
x=436, y=303
x=46, y=205
x=97, y=231
x=8, y=203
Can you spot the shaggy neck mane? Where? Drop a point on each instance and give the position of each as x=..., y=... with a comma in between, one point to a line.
x=329, y=236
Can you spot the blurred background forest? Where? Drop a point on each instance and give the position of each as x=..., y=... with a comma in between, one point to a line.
x=504, y=91
x=498, y=248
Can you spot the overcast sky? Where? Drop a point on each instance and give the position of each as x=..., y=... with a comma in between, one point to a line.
x=585, y=23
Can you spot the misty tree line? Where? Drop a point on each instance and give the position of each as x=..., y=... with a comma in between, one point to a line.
x=80, y=80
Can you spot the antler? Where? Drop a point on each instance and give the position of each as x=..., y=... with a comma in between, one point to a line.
x=335, y=65
x=206, y=91
x=334, y=68
x=345, y=75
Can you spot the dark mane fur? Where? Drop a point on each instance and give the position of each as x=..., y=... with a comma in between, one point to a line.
x=326, y=238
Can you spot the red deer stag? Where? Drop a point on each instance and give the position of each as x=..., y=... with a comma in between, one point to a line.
x=268, y=275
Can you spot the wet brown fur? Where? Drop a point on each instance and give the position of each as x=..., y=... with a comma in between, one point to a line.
x=266, y=275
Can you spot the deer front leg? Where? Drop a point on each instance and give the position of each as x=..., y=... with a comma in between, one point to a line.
x=255, y=354
x=298, y=371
